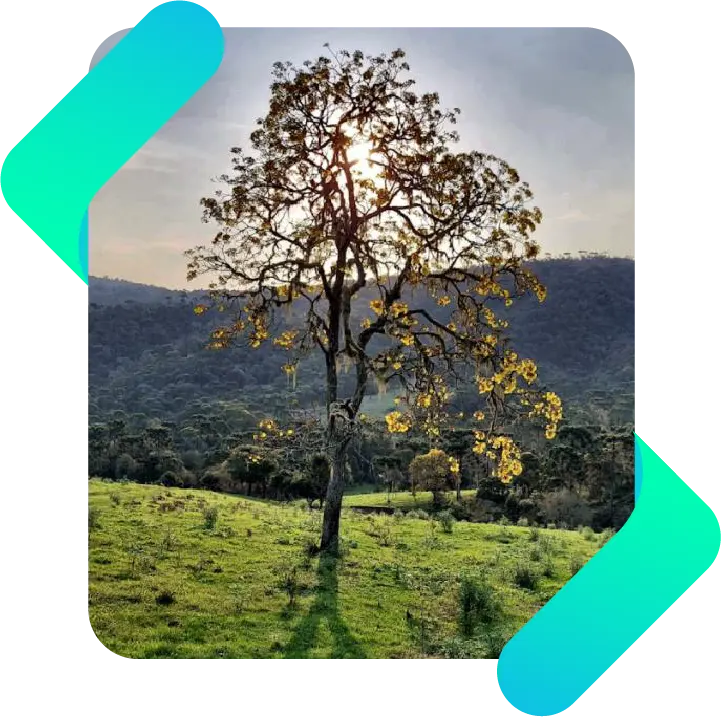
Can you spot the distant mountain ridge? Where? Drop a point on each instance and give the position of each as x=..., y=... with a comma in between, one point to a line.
x=105, y=291
x=147, y=347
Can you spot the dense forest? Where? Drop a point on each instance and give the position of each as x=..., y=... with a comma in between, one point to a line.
x=164, y=408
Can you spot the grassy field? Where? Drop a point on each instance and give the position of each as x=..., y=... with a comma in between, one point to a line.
x=403, y=500
x=177, y=573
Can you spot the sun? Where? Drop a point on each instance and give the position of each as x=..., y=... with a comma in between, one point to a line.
x=365, y=161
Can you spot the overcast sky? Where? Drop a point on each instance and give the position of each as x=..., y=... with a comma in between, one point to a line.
x=557, y=104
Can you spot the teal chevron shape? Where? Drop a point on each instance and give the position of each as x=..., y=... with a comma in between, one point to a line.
x=51, y=176
x=670, y=540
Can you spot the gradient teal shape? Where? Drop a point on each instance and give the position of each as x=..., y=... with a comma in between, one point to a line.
x=670, y=540
x=51, y=176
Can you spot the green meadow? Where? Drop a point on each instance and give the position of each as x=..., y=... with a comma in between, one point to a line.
x=179, y=573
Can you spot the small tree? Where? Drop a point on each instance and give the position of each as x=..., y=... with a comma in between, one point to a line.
x=435, y=472
x=351, y=190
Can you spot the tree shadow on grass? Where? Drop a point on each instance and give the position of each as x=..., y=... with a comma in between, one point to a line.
x=324, y=607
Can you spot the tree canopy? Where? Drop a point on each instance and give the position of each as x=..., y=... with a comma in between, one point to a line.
x=350, y=182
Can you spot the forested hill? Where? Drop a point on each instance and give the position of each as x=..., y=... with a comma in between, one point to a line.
x=110, y=292
x=147, y=347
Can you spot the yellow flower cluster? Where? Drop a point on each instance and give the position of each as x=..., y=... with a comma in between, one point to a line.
x=378, y=306
x=286, y=339
x=454, y=465
x=485, y=385
x=508, y=461
x=528, y=371
x=260, y=330
x=479, y=447
x=551, y=408
x=398, y=422
x=424, y=400
x=398, y=308
x=444, y=301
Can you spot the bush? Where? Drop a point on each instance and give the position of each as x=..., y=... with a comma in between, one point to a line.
x=534, y=534
x=477, y=604
x=525, y=576
x=565, y=506
x=551, y=526
x=522, y=523
x=382, y=530
x=606, y=535
x=447, y=521
x=504, y=521
x=587, y=533
x=460, y=511
x=210, y=517
x=575, y=565
x=171, y=480
x=210, y=481
x=494, y=643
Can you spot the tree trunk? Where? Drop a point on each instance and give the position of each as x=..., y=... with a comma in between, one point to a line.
x=334, y=499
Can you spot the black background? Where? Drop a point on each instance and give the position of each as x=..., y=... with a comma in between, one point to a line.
x=46, y=317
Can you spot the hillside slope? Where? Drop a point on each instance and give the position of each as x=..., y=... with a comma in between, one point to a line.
x=147, y=350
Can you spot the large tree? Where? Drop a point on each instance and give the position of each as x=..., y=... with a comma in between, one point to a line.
x=350, y=187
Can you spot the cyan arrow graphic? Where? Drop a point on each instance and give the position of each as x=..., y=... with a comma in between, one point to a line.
x=670, y=540
x=51, y=176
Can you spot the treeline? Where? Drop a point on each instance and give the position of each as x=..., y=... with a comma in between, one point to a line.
x=148, y=350
x=584, y=477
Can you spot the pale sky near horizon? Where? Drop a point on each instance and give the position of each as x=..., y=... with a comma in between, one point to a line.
x=557, y=104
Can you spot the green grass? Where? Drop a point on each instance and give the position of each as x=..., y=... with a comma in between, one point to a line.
x=166, y=584
x=403, y=500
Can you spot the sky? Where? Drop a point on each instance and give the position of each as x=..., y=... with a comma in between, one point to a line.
x=557, y=104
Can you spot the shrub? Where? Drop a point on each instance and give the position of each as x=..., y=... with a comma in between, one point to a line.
x=546, y=544
x=494, y=642
x=460, y=511
x=525, y=576
x=171, y=480
x=565, y=506
x=382, y=530
x=210, y=517
x=535, y=554
x=606, y=535
x=588, y=533
x=534, y=534
x=575, y=565
x=210, y=481
x=168, y=542
x=477, y=604
x=522, y=522
x=93, y=517
x=115, y=498
x=289, y=584
x=447, y=521
x=504, y=521
x=551, y=526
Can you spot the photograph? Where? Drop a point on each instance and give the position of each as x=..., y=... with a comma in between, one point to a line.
x=361, y=345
